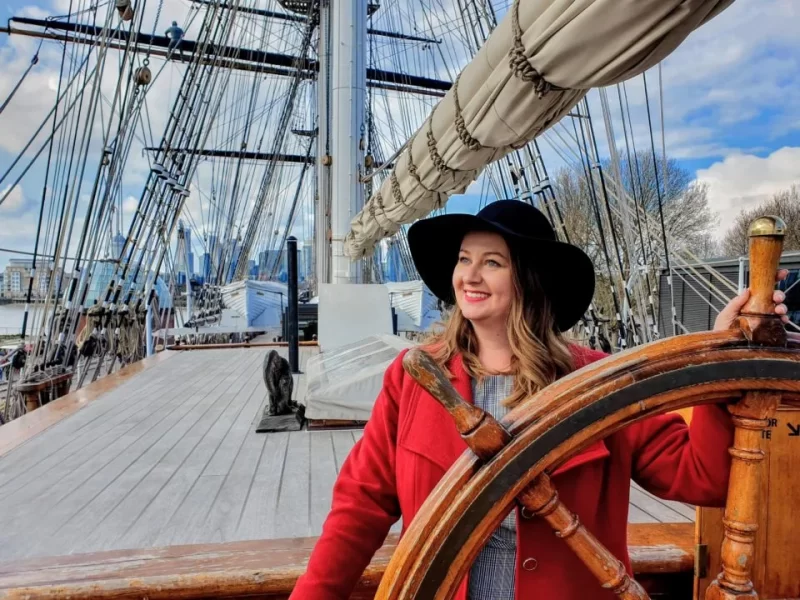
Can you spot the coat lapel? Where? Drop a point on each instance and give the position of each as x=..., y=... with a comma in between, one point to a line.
x=432, y=433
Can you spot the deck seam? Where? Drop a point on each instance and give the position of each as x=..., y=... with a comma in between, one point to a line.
x=70, y=404
x=211, y=456
x=166, y=452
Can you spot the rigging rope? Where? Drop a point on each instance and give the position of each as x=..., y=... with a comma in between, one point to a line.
x=659, y=197
x=34, y=61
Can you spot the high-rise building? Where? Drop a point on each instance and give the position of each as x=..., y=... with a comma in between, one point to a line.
x=211, y=259
x=117, y=243
x=236, y=252
x=268, y=260
x=187, y=233
x=206, y=266
x=307, y=254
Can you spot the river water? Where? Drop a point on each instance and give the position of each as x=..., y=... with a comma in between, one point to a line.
x=11, y=317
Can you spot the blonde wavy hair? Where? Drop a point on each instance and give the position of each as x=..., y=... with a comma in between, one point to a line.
x=540, y=352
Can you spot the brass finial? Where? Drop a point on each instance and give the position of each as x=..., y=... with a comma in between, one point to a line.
x=767, y=225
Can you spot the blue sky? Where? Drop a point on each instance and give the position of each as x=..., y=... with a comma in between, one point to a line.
x=731, y=93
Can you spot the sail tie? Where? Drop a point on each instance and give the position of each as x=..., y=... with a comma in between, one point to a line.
x=461, y=126
x=433, y=152
x=519, y=62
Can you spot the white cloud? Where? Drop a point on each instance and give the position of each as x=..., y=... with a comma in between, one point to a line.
x=742, y=181
x=731, y=82
x=14, y=201
x=129, y=205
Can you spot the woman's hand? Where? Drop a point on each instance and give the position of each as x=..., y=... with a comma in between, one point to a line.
x=728, y=315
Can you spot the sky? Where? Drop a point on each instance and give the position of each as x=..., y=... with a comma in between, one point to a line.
x=730, y=98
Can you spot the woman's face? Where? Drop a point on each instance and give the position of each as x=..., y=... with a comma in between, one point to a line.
x=483, y=279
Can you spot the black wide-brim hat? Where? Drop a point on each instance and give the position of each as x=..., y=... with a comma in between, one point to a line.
x=565, y=271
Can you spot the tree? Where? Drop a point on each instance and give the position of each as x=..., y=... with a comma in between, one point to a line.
x=784, y=204
x=688, y=219
x=582, y=201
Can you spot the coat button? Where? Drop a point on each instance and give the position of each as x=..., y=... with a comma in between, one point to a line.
x=530, y=564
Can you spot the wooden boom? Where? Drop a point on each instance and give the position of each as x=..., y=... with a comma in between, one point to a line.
x=755, y=366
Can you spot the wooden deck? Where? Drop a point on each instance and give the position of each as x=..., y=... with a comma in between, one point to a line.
x=170, y=456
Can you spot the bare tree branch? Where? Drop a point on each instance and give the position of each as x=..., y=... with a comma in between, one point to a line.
x=784, y=204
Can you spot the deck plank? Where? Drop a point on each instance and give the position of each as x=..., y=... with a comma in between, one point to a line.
x=171, y=456
x=323, y=475
x=292, y=515
x=261, y=503
x=237, y=459
x=342, y=445
x=89, y=499
x=663, y=511
x=188, y=517
x=87, y=475
x=637, y=515
x=27, y=427
x=154, y=518
x=108, y=534
x=41, y=455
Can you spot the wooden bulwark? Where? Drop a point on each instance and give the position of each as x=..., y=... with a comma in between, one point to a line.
x=239, y=345
x=661, y=555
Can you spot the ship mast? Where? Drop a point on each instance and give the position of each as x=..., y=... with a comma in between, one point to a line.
x=341, y=143
x=322, y=223
x=349, y=83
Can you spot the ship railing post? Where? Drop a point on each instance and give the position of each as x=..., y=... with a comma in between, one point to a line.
x=148, y=329
x=292, y=335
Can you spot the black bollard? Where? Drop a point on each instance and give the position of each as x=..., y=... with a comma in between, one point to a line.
x=292, y=335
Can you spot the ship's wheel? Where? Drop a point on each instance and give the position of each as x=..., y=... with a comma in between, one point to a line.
x=753, y=366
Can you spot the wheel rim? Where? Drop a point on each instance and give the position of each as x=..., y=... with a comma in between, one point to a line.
x=472, y=499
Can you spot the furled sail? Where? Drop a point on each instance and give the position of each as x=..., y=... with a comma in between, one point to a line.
x=537, y=64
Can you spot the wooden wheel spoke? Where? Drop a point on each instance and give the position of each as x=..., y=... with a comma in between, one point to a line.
x=541, y=498
x=481, y=431
x=752, y=367
x=486, y=436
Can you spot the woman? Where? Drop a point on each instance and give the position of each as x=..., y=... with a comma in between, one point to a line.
x=515, y=290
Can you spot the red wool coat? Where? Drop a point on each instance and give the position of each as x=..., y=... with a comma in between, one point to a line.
x=410, y=441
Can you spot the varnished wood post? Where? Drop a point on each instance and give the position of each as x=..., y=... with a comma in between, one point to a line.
x=758, y=320
x=751, y=416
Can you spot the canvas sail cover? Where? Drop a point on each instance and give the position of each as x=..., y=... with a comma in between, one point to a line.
x=536, y=65
x=344, y=383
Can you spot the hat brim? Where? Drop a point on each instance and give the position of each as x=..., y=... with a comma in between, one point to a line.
x=565, y=271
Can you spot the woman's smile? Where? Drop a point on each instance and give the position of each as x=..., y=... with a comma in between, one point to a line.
x=472, y=296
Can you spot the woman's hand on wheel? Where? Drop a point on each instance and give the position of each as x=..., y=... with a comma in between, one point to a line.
x=728, y=315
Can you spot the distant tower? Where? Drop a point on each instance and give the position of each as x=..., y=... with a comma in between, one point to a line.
x=117, y=243
x=187, y=234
